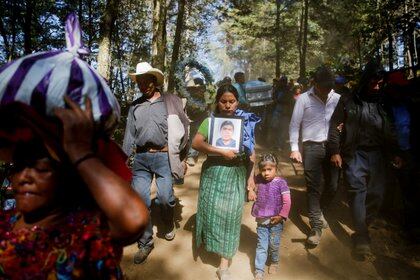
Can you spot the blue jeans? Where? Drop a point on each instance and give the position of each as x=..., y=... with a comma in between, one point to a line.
x=145, y=166
x=268, y=244
x=365, y=179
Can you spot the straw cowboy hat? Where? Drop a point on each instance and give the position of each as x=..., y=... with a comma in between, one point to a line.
x=145, y=68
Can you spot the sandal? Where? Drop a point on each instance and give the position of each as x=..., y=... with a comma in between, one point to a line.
x=223, y=274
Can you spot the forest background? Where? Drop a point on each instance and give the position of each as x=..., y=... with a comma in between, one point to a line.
x=260, y=37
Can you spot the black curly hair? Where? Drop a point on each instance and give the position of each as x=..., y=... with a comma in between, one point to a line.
x=267, y=159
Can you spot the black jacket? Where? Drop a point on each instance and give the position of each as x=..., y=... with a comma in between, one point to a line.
x=349, y=112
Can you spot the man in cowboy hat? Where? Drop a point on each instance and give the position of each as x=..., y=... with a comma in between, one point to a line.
x=157, y=130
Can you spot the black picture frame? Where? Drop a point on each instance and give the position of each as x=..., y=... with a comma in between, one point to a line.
x=215, y=127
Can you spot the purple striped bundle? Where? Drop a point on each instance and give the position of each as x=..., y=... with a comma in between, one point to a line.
x=41, y=80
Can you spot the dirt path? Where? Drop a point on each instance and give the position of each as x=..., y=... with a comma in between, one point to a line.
x=179, y=259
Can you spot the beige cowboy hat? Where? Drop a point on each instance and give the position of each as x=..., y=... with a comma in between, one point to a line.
x=145, y=68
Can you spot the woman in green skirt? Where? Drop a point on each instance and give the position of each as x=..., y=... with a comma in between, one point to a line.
x=225, y=178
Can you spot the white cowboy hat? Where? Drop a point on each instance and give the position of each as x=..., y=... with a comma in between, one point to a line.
x=145, y=68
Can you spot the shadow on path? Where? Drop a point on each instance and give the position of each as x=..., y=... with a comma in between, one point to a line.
x=156, y=216
x=394, y=268
x=247, y=244
x=206, y=257
x=326, y=270
x=335, y=215
x=298, y=209
x=339, y=215
x=157, y=269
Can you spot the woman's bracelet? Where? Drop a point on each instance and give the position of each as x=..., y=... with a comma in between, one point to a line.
x=83, y=158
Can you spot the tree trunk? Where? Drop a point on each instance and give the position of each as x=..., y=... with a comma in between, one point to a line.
x=105, y=36
x=390, y=49
x=90, y=24
x=411, y=49
x=80, y=12
x=359, y=51
x=299, y=42
x=302, y=70
x=27, y=28
x=177, y=44
x=122, y=80
x=278, y=2
x=409, y=45
x=5, y=39
x=159, y=34
x=13, y=24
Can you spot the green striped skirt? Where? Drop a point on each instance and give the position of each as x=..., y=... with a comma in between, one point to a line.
x=220, y=203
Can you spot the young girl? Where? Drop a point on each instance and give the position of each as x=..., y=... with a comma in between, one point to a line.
x=271, y=208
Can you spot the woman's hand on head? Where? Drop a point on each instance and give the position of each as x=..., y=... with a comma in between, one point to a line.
x=78, y=128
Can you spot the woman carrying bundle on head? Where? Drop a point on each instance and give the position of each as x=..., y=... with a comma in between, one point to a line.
x=74, y=205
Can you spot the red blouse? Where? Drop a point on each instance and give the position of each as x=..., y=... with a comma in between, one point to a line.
x=80, y=249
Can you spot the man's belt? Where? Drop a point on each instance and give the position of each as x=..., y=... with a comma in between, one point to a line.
x=309, y=143
x=149, y=149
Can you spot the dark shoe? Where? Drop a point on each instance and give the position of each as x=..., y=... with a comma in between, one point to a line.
x=314, y=237
x=142, y=254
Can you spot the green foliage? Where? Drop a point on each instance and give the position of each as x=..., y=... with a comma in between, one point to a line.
x=344, y=34
x=251, y=35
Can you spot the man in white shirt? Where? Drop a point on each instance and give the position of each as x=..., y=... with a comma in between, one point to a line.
x=311, y=117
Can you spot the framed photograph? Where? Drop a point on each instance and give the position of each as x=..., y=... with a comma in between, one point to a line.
x=226, y=132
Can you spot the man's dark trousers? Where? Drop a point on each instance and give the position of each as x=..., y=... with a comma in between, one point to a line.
x=365, y=179
x=316, y=163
